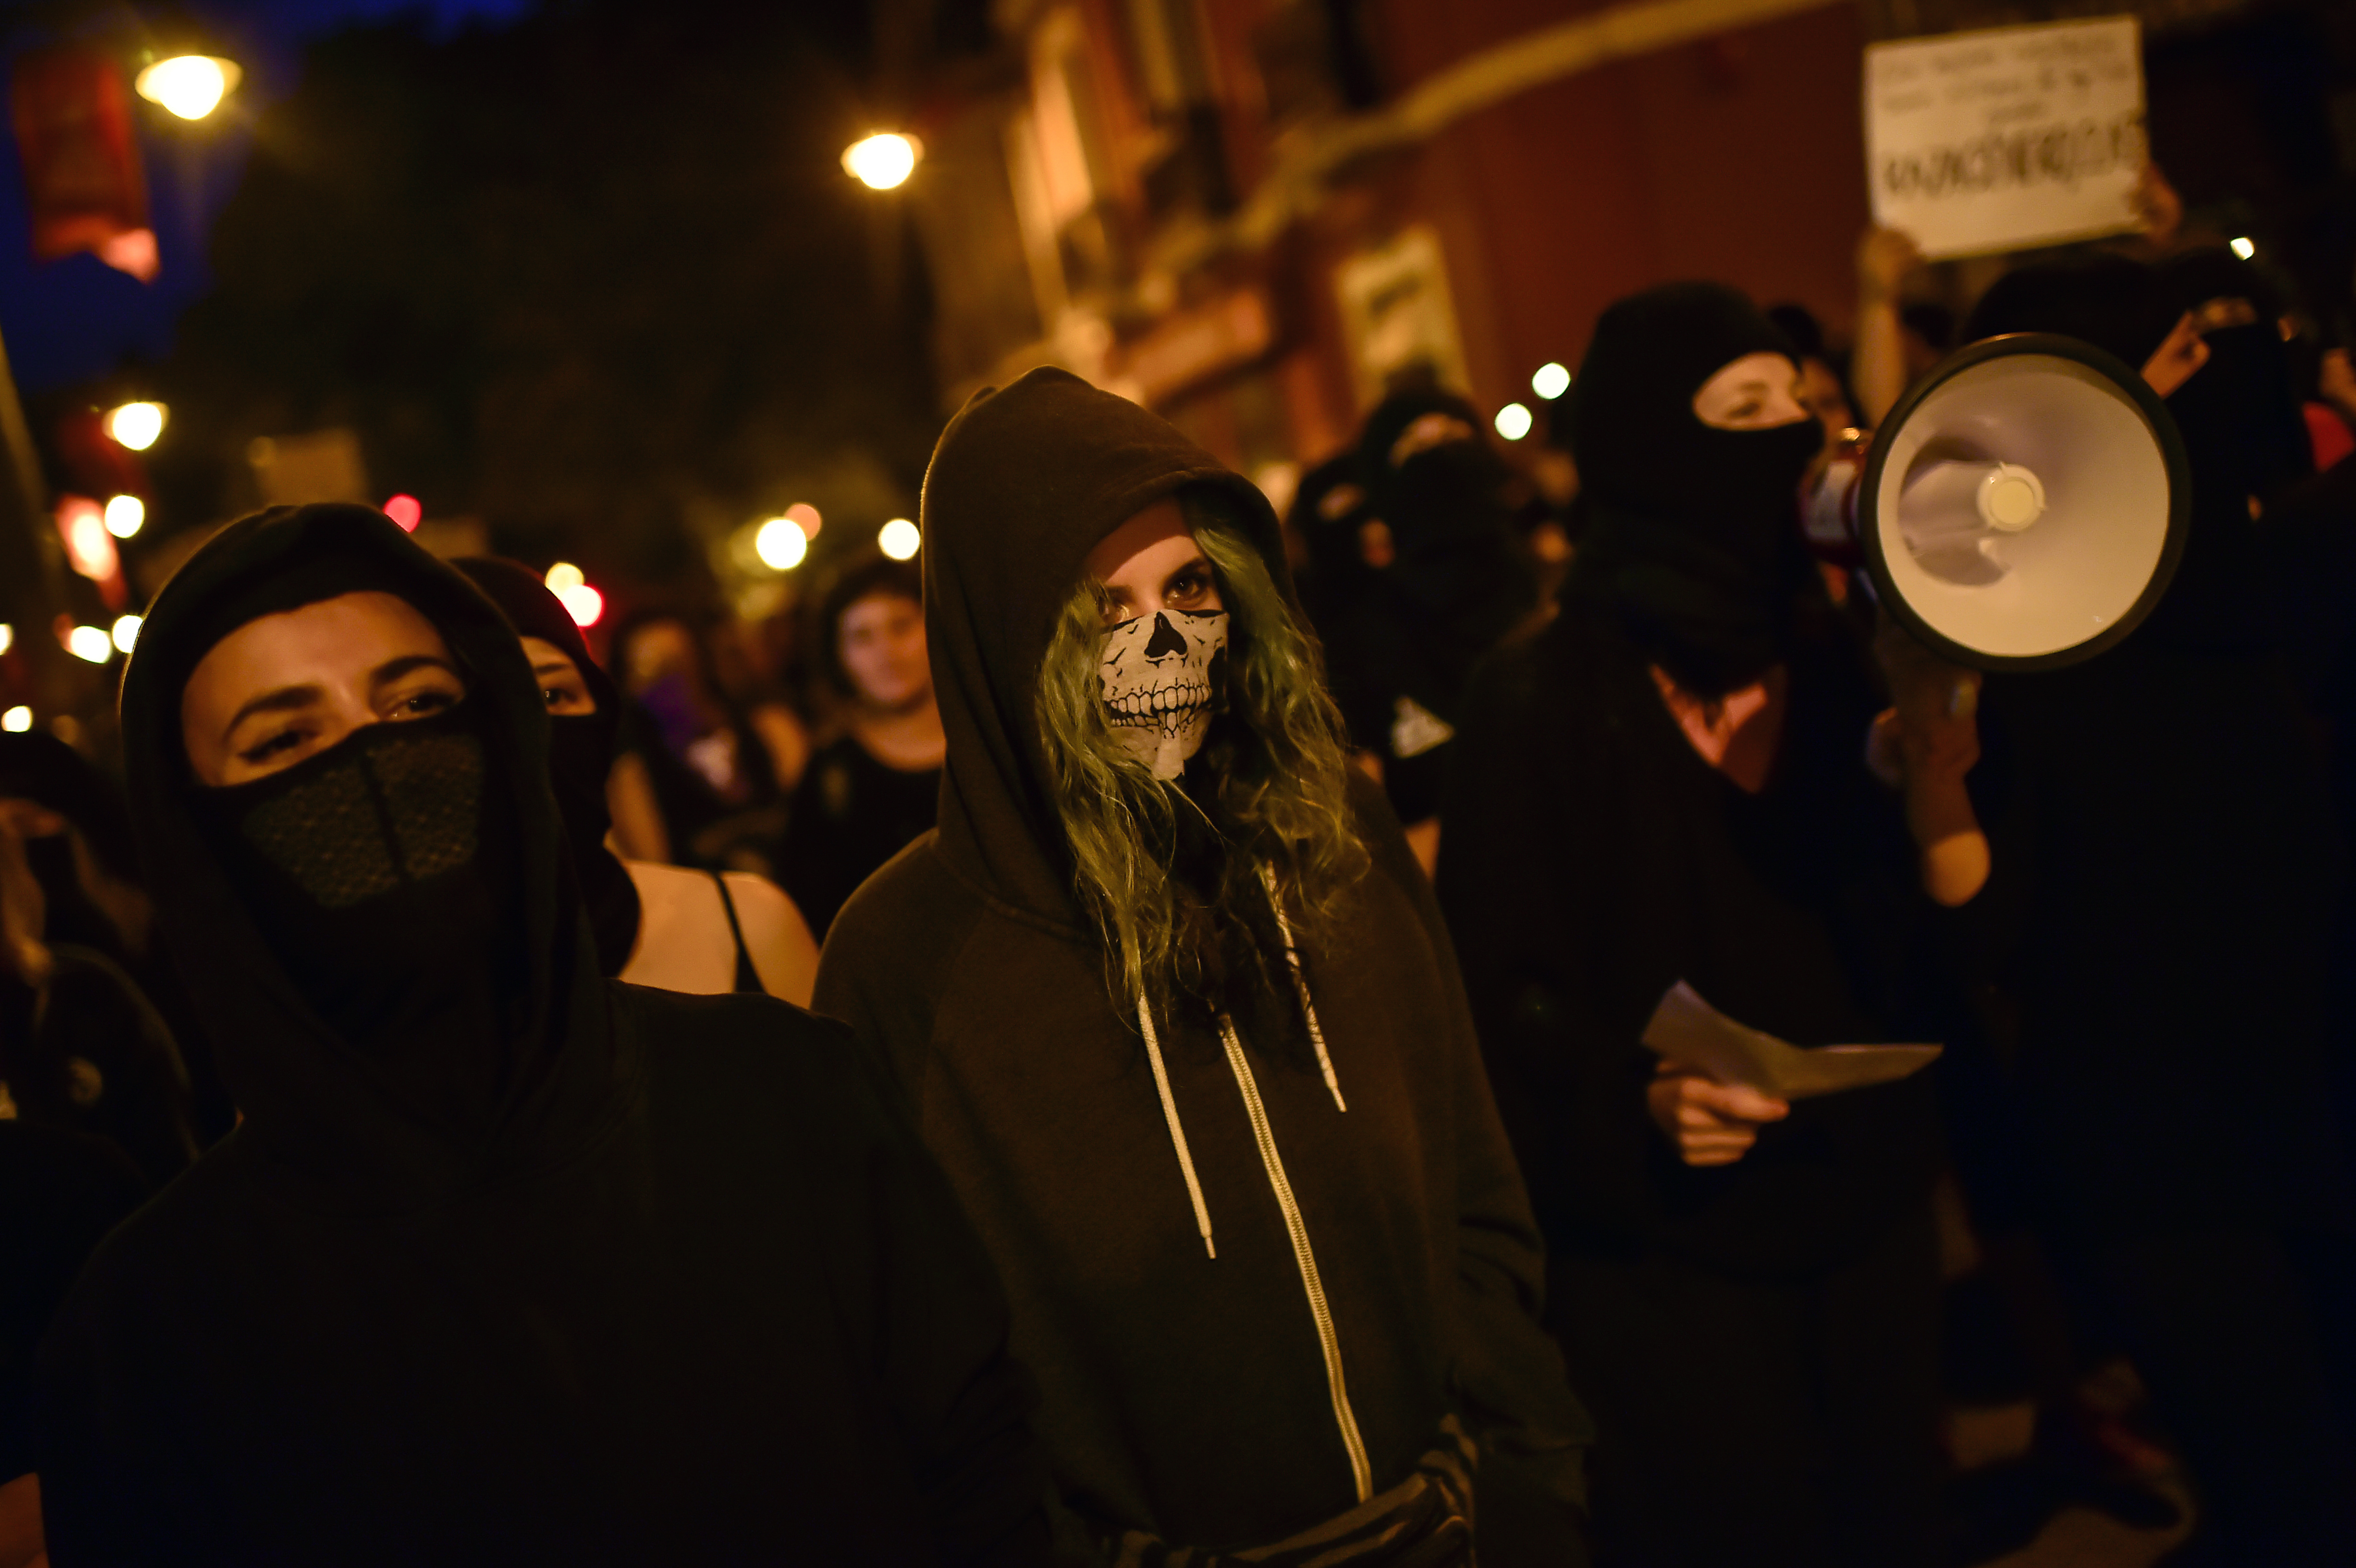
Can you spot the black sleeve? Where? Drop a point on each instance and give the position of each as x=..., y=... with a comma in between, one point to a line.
x=1526, y=879
x=960, y=1401
x=60, y=1191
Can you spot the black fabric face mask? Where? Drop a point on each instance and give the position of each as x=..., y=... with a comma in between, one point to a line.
x=379, y=874
x=580, y=756
x=1739, y=490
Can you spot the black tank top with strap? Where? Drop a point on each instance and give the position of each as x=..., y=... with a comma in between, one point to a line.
x=747, y=977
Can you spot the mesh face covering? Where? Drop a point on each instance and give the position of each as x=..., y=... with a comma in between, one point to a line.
x=374, y=875
x=402, y=811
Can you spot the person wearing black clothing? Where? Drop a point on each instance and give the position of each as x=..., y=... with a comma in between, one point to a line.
x=1667, y=785
x=666, y=926
x=60, y=1191
x=506, y=1261
x=2165, y=867
x=877, y=786
x=1183, y=1025
x=1459, y=581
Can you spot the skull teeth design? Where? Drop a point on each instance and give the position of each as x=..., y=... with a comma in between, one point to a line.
x=1162, y=675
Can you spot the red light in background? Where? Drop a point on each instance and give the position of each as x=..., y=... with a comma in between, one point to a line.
x=582, y=603
x=406, y=510
x=804, y=516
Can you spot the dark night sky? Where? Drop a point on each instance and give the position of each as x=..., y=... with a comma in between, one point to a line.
x=78, y=320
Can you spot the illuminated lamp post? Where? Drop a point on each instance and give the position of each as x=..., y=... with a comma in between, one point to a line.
x=191, y=86
x=882, y=161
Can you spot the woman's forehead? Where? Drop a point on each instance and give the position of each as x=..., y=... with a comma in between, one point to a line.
x=327, y=642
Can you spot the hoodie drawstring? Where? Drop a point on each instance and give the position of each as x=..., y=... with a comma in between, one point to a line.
x=1301, y=987
x=1177, y=1128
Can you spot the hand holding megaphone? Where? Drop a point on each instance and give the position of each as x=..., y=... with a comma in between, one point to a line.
x=2023, y=506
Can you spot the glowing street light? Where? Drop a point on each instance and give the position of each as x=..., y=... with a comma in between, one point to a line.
x=90, y=644
x=781, y=544
x=17, y=719
x=8, y=636
x=1550, y=381
x=136, y=425
x=125, y=515
x=1514, y=422
x=884, y=160
x=571, y=586
x=126, y=631
x=898, y=539
x=191, y=86
x=2244, y=248
x=563, y=577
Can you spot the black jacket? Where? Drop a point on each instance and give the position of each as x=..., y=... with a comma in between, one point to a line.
x=1184, y=1396
x=1592, y=859
x=697, y=1295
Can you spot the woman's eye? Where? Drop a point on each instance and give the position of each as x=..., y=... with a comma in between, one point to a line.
x=286, y=740
x=424, y=703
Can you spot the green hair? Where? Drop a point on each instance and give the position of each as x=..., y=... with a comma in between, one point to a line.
x=1275, y=759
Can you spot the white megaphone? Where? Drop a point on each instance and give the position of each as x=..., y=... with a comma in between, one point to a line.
x=2022, y=507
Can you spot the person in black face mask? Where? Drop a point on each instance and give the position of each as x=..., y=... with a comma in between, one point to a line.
x=1459, y=581
x=505, y=1261
x=665, y=926
x=1667, y=785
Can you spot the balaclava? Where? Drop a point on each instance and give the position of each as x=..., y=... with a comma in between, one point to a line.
x=1460, y=580
x=1693, y=543
x=380, y=872
x=580, y=754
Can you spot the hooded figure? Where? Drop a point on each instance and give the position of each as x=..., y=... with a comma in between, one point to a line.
x=1667, y=784
x=1458, y=582
x=2165, y=868
x=506, y=1262
x=1267, y=1251
x=666, y=926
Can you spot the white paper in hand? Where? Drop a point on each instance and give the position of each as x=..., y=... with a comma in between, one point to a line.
x=1692, y=1033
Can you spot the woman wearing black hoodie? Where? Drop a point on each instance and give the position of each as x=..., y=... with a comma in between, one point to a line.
x=1224, y=1129
x=506, y=1263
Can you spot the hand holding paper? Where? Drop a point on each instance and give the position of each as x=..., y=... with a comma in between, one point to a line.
x=1690, y=1031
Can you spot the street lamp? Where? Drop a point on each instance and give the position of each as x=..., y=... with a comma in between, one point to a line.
x=191, y=86
x=882, y=161
x=136, y=425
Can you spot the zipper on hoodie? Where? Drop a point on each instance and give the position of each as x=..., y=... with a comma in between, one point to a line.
x=1361, y=1470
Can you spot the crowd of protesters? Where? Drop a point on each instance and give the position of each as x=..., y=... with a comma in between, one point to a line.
x=1143, y=1056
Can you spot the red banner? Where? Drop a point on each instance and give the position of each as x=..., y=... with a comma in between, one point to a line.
x=81, y=160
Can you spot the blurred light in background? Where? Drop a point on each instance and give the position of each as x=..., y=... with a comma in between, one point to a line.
x=1514, y=422
x=8, y=636
x=571, y=586
x=1551, y=382
x=191, y=86
x=136, y=425
x=781, y=544
x=406, y=510
x=2244, y=248
x=884, y=160
x=124, y=514
x=804, y=516
x=90, y=643
x=898, y=539
x=89, y=549
x=17, y=719
x=126, y=631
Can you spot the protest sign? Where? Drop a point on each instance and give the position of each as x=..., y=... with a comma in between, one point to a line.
x=2008, y=138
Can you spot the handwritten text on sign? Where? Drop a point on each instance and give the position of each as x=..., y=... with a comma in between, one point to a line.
x=2005, y=139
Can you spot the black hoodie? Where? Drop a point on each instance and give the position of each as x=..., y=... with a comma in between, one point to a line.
x=1185, y=1397
x=668, y=1280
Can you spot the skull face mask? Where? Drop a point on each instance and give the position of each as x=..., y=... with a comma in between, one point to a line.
x=1165, y=675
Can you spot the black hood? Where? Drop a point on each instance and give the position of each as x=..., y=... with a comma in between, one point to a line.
x=1692, y=544
x=341, y=1116
x=1025, y=481
x=581, y=752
